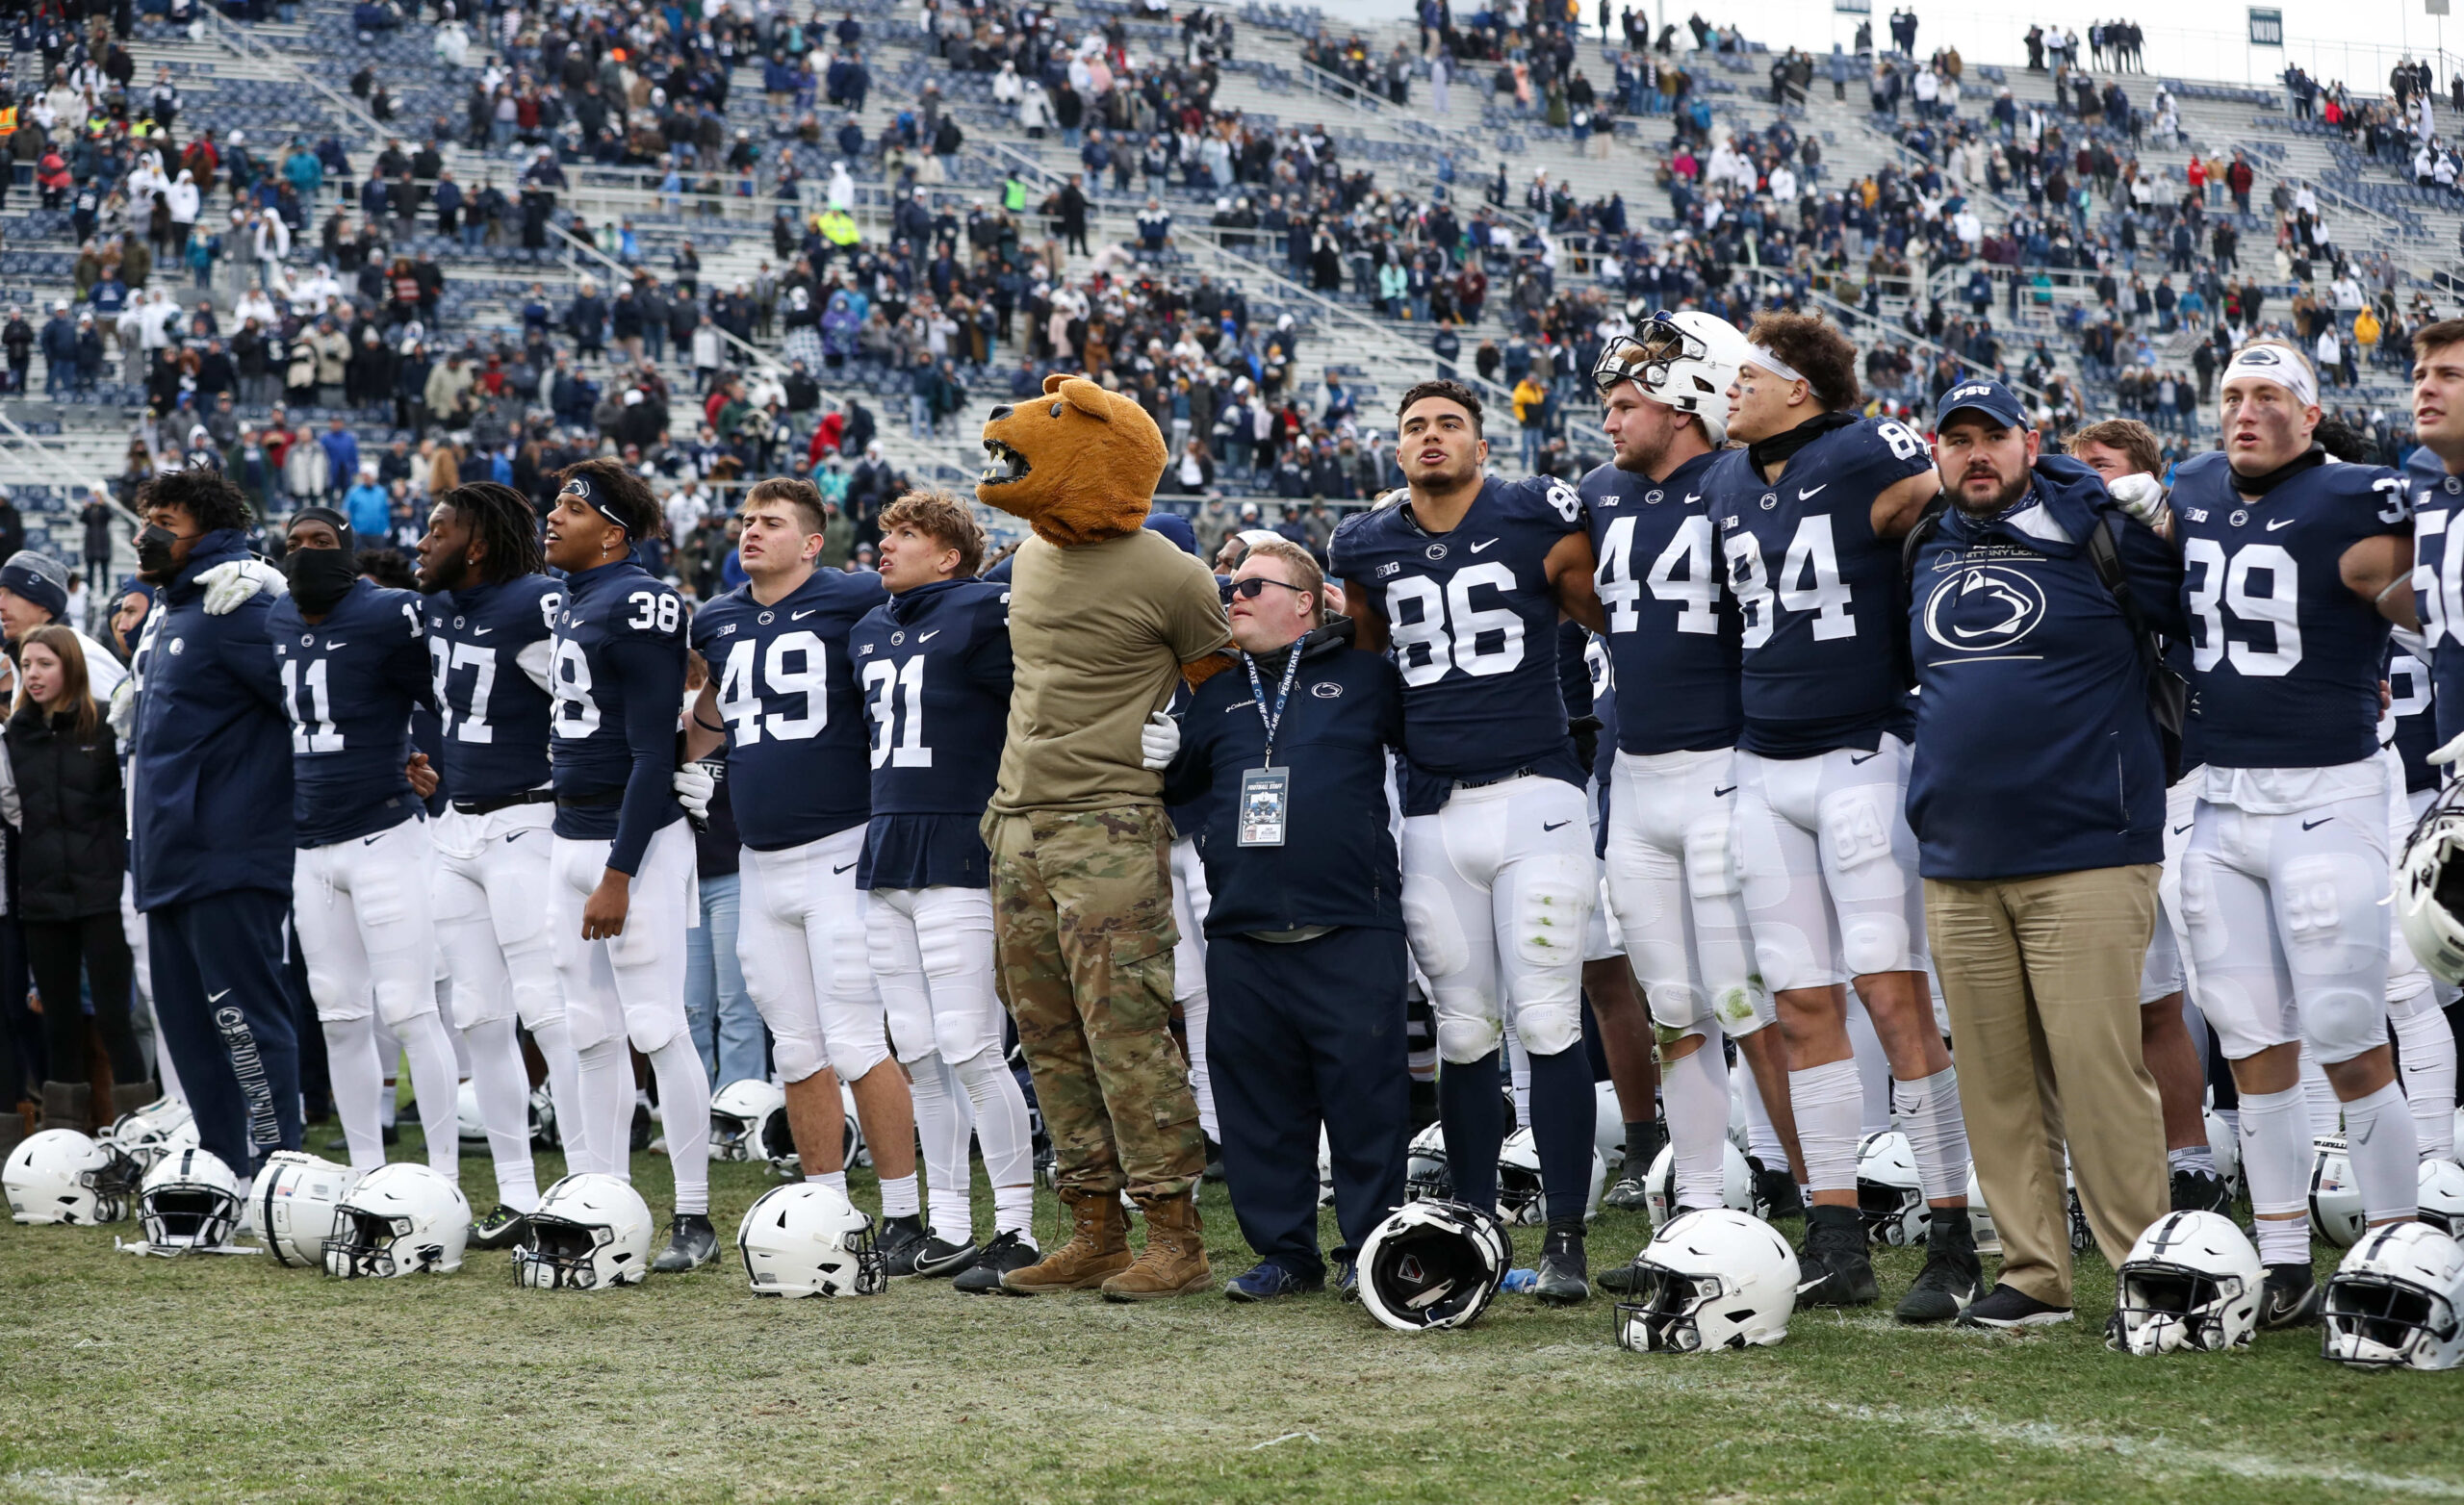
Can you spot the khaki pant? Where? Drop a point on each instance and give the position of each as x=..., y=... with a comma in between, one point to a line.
x=2040, y=976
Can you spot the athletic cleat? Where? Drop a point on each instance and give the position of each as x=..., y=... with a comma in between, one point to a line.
x=1626, y=1191
x=1347, y=1281
x=902, y=1243
x=2198, y=1191
x=1004, y=1253
x=1833, y=1263
x=641, y=1136
x=2290, y=1298
x=1561, y=1280
x=1777, y=1189
x=2008, y=1307
x=499, y=1229
x=691, y=1243
x=1953, y=1277
x=1267, y=1281
x=940, y=1258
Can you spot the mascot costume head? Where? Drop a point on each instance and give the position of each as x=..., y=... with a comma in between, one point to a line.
x=1079, y=466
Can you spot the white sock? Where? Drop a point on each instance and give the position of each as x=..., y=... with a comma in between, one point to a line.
x=1014, y=1211
x=1000, y=1110
x=2196, y=1158
x=898, y=1196
x=2319, y=1097
x=2426, y=1056
x=357, y=1079
x=555, y=1042
x=944, y=1137
x=2386, y=1158
x=436, y=1087
x=1928, y=1110
x=1873, y=1068
x=1830, y=1104
x=504, y=1090
x=835, y=1180
x=2276, y=1166
x=606, y=1077
x=1761, y=1135
x=1695, y=1092
x=1201, y=1085
x=685, y=1091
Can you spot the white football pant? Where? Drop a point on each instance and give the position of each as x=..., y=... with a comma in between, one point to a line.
x=1190, y=901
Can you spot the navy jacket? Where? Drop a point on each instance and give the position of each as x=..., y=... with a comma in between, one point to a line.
x=2035, y=748
x=210, y=761
x=1337, y=865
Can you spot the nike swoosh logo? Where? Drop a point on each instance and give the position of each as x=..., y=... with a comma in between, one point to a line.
x=331, y=645
x=2279, y=523
x=2363, y=1137
x=370, y=841
x=1240, y=706
x=1807, y=494
x=1693, y=497
x=1853, y=761
x=1724, y=792
x=799, y=616
x=480, y=632
x=922, y=638
x=512, y=836
x=215, y=998
x=842, y=869
x=2178, y=830
x=1545, y=825
x=2315, y=824
x=1484, y=543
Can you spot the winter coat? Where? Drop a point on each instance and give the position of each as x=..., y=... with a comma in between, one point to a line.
x=74, y=846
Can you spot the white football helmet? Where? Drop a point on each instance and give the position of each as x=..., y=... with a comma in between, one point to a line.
x=1433, y=1265
x=2429, y=888
x=2192, y=1282
x=147, y=1134
x=469, y=1126
x=2398, y=1301
x=2440, y=1193
x=807, y=1239
x=1520, y=1198
x=543, y=1120
x=398, y=1220
x=1980, y=1217
x=1713, y=1279
x=2335, y=1196
x=2224, y=1147
x=1607, y=1125
x=61, y=1176
x=1888, y=1192
x=1741, y=1127
x=1425, y=1178
x=189, y=1200
x=591, y=1232
x=1738, y=1191
x=293, y=1200
x=741, y=1114
x=1683, y=360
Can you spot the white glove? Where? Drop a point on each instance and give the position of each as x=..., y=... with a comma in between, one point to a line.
x=122, y=714
x=228, y=585
x=2142, y=496
x=693, y=784
x=1158, y=740
x=2449, y=755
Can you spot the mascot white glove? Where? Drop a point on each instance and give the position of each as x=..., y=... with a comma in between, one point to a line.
x=1158, y=741
x=694, y=784
x=228, y=585
x=122, y=714
x=2142, y=496
x=2449, y=755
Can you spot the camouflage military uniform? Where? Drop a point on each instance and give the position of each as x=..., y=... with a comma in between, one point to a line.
x=1083, y=932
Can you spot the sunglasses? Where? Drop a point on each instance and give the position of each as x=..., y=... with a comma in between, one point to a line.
x=1254, y=586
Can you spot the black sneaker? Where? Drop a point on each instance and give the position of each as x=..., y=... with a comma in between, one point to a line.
x=939, y=1257
x=2290, y=1299
x=1834, y=1268
x=1626, y=1192
x=1214, y=1161
x=499, y=1229
x=2198, y=1191
x=1953, y=1277
x=902, y=1243
x=691, y=1243
x=2008, y=1307
x=1777, y=1189
x=1004, y=1253
x=1561, y=1280
x=641, y=1136
x=1642, y=1148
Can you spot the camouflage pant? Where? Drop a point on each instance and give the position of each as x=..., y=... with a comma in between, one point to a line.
x=1082, y=905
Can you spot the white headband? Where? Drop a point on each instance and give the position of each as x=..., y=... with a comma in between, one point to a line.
x=2278, y=364
x=1777, y=366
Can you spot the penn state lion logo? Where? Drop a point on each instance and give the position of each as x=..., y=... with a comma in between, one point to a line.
x=1984, y=609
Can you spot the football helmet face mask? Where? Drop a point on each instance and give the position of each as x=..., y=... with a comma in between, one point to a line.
x=1521, y=1198
x=591, y=1232
x=147, y=1134
x=1709, y=1280
x=1433, y=1265
x=61, y=1176
x=398, y=1220
x=2398, y=1301
x=2193, y=1282
x=1738, y=1191
x=294, y=1199
x=1685, y=361
x=740, y=1113
x=1889, y=1196
x=2439, y=1193
x=807, y=1239
x=2335, y=1195
x=189, y=1200
x=2430, y=887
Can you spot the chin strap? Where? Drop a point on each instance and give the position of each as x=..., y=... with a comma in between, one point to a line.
x=1768, y=452
x=2260, y=485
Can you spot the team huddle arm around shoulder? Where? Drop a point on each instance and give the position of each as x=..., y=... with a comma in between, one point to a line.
x=1570, y=565
x=2380, y=571
x=2153, y=564
x=653, y=670
x=247, y=651
x=701, y=739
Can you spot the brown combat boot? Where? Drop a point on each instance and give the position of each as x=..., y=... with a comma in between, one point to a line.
x=1098, y=1246
x=1175, y=1262
x=68, y=1105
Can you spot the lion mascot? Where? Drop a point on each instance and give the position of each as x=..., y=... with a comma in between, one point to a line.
x=1105, y=618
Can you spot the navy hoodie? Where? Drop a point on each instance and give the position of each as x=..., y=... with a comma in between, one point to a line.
x=2036, y=751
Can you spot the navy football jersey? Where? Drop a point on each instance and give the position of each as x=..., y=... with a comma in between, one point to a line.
x=934, y=664
x=2411, y=706
x=798, y=748
x=2284, y=656
x=349, y=683
x=1473, y=625
x=618, y=682
x=494, y=738
x=1822, y=632
x=1672, y=632
x=2438, y=583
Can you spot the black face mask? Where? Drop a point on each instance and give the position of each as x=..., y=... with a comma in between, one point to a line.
x=319, y=578
x=154, y=553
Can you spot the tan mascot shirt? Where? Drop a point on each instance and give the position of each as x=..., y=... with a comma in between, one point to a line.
x=1098, y=633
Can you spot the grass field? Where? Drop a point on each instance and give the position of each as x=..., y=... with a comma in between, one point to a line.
x=125, y=1378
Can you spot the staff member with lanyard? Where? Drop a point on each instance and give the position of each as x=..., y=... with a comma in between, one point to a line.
x=1306, y=959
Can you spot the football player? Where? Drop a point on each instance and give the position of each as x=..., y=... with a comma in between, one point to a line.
x=620, y=868
x=1462, y=577
x=783, y=697
x=490, y=611
x=1806, y=515
x=1673, y=640
x=934, y=663
x=2294, y=564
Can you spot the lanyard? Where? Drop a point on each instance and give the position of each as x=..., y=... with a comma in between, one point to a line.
x=1273, y=720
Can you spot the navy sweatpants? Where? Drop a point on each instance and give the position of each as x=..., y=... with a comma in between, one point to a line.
x=1299, y=1035
x=226, y=1020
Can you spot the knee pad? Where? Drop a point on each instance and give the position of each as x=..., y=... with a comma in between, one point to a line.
x=1436, y=935
x=1548, y=1026
x=1786, y=957
x=1462, y=1041
x=797, y=1053
x=336, y=1000
x=1676, y=1007
x=475, y=1007
x=652, y=1027
x=1874, y=943
x=960, y=1038
x=2341, y=1023
x=538, y=1003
